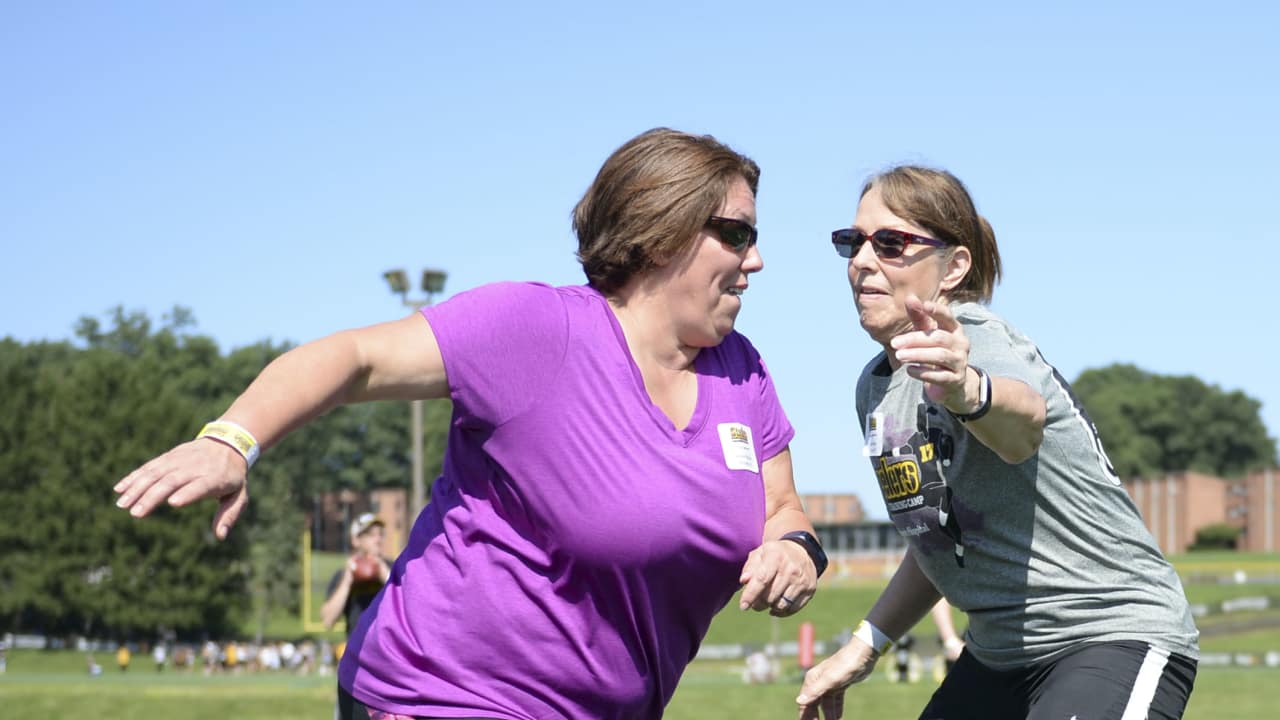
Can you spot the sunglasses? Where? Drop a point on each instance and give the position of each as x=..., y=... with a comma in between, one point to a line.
x=737, y=234
x=885, y=242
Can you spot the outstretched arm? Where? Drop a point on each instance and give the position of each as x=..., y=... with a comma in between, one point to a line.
x=394, y=360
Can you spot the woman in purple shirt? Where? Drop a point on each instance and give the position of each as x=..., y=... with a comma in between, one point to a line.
x=617, y=465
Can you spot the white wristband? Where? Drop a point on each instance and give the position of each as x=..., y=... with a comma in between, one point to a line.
x=235, y=436
x=873, y=636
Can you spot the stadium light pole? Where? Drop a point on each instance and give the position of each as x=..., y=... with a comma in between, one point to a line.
x=432, y=283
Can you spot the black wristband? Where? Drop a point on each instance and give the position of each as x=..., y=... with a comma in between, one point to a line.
x=984, y=397
x=811, y=545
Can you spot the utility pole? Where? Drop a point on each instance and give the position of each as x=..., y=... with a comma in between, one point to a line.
x=432, y=283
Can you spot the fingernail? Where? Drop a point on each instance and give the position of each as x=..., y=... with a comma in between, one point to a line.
x=136, y=511
x=122, y=501
x=802, y=699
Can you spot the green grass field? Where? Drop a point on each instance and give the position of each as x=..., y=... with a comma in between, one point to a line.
x=55, y=684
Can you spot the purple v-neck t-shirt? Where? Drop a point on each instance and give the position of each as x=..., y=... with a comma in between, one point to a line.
x=577, y=544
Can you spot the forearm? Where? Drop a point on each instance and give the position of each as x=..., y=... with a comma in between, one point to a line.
x=785, y=520
x=784, y=512
x=905, y=600
x=1014, y=426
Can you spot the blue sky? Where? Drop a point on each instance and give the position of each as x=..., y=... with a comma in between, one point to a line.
x=264, y=163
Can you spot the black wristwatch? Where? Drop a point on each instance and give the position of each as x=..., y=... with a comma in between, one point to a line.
x=984, y=397
x=811, y=545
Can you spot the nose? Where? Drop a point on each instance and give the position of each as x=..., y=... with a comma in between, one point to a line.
x=865, y=258
x=753, y=261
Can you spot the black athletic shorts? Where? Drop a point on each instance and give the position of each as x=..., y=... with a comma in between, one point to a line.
x=1126, y=680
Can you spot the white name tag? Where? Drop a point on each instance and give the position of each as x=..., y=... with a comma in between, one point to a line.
x=874, y=435
x=739, y=449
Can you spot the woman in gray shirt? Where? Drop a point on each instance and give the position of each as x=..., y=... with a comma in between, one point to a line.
x=993, y=472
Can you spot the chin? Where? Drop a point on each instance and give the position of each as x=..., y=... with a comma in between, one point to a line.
x=881, y=335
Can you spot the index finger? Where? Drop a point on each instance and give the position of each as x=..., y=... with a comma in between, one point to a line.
x=921, y=319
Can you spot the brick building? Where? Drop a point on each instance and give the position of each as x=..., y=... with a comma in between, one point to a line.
x=832, y=508
x=1176, y=505
x=1255, y=500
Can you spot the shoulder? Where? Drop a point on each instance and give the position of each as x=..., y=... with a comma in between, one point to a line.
x=998, y=347
x=976, y=315
x=982, y=325
x=876, y=367
x=738, y=357
x=505, y=307
x=502, y=293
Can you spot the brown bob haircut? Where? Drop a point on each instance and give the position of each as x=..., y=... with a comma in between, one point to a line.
x=649, y=201
x=937, y=201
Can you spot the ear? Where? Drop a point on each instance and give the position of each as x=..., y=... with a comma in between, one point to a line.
x=957, y=268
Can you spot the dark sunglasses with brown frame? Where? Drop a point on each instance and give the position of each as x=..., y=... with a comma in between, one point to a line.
x=737, y=234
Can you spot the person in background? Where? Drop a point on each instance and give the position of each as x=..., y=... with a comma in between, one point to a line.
x=160, y=655
x=617, y=466
x=354, y=585
x=950, y=640
x=994, y=474
x=123, y=656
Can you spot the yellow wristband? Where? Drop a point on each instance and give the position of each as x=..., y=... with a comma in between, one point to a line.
x=229, y=433
x=873, y=636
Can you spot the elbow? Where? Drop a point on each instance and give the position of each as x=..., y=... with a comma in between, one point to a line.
x=1025, y=447
x=1024, y=450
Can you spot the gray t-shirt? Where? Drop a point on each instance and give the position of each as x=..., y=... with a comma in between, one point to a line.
x=1042, y=555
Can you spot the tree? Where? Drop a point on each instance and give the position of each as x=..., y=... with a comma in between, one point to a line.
x=1154, y=424
x=74, y=420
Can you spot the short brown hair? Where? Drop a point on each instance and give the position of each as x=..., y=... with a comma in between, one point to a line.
x=649, y=201
x=937, y=201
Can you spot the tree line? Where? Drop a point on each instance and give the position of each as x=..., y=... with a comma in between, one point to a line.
x=76, y=417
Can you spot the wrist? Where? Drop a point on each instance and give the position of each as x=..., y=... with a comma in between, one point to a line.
x=811, y=547
x=874, y=638
x=975, y=409
x=233, y=436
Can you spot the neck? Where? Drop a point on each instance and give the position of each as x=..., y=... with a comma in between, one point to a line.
x=649, y=328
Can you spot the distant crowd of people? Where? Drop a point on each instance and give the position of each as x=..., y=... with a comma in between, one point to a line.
x=305, y=657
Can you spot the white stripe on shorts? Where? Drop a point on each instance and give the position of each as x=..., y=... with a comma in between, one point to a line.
x=1144, y=686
